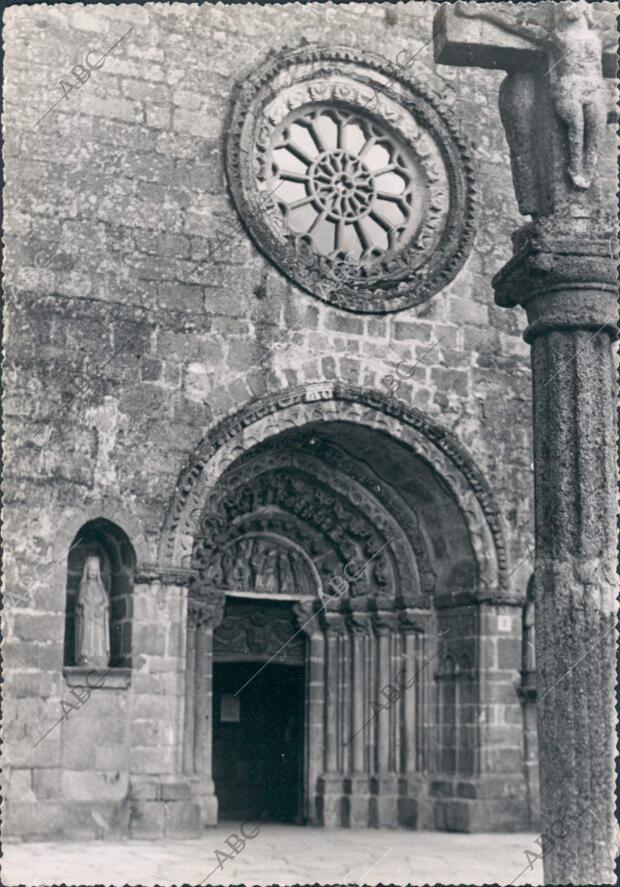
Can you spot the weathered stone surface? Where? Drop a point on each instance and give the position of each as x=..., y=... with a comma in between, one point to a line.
x=122, y=356
x=563, y=272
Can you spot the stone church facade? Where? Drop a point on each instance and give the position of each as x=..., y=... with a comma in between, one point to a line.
x=254, y=368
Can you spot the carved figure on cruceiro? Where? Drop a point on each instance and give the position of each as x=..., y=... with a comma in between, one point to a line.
x=573, y=41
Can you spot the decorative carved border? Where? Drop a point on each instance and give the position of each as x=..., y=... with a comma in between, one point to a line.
x=370, y=508
x=295, y=407
x=405, y=280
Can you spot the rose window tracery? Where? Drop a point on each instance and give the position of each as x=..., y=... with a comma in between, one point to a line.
x=342, y=183
x=351, y=178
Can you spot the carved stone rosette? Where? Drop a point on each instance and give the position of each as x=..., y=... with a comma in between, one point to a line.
x=386, y=205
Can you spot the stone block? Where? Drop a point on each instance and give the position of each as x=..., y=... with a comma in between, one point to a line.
x=18, y=785
x=468, y=312
x=147, y=819
x=344, y=323
x=39, y=626
x=509, y=653
x=152, y=760
x=95, y=785
x=182, y=819
x=47, y=784
x=36, y=820
x=451, y=816
x=111, y=757
x=144, y=788
x=176, y=791
x=31, y=733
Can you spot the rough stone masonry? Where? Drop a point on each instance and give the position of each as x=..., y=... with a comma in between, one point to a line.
x=160, y=328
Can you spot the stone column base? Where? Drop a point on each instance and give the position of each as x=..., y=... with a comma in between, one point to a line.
x=329, y=801
x=203, y=793
x=384, y=800
x=356, y=801
x=414, y=810
x=483, y=804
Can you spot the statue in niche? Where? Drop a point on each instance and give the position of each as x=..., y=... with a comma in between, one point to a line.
x=571, y=37
x=92, y=618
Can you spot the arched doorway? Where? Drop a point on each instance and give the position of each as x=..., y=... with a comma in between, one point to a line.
x=378, y=538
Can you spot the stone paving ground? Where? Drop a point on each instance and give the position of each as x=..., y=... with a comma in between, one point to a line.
x=282, y=855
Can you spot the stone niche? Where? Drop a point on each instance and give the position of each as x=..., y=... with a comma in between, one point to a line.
x=106, y=542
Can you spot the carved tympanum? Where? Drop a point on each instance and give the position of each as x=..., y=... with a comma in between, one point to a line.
x=263, y=563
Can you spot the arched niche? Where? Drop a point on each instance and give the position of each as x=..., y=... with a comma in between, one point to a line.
x=110, y=544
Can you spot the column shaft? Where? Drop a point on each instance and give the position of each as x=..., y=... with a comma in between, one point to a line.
x=190, y=693
x=575, y=588
x=564, y=274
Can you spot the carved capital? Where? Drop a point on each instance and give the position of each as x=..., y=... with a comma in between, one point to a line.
x=410, y=621
x=334, y=623
x=205, y=606
x=306, y=613
x=360, y=623
x=564, y=275
x=384, y=622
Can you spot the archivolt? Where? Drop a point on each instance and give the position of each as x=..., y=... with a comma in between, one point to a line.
x=335, y=402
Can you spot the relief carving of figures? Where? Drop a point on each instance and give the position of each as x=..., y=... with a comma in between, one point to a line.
x=573, y=41
x=263, y=564
x=92, y=618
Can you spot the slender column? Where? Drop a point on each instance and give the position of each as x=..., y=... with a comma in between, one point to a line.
x=357, y=783
x=566, y=281
x=409, y=682
x=315, y=703
x=330, y=784
x=360, y=626
x=190, y=692
x=384, y=784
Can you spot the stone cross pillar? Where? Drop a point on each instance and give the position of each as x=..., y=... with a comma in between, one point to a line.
x=554, y=108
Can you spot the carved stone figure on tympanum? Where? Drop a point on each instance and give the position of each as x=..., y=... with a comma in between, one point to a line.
x=265, y=564
x=573, y=42
x=92, y=618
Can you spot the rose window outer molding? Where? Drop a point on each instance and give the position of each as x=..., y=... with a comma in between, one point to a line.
x=351, y=178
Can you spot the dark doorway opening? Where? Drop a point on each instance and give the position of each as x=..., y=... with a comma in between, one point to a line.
x=258, y=741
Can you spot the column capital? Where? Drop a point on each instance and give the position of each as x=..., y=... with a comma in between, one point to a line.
x=306, y=614
x=384, y=622
x=563, y=273
x=359, y=622
x=410, y=622
x=205, y=606
x=334, y=623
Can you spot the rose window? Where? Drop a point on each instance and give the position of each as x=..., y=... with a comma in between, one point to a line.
x=342, y=184
x=350, y=177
